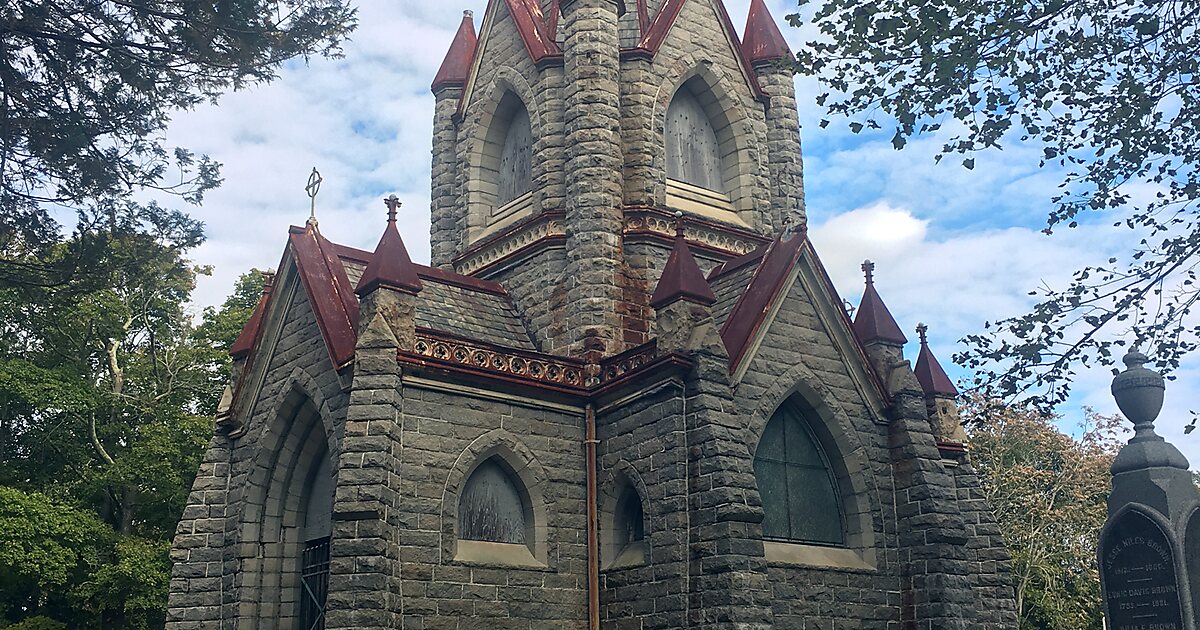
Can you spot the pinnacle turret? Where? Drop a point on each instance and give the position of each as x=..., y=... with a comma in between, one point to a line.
x=457, y=65
x=873, y=321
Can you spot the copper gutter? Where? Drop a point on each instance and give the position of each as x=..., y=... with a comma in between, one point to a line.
x=593, y=546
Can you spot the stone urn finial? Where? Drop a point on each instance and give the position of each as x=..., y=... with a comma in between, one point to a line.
x=1139, y=394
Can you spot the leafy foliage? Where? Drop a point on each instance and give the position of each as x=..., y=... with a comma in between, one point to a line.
x=106, y=396
x=1107, y=91
x=1049, y=492
x=88, y=90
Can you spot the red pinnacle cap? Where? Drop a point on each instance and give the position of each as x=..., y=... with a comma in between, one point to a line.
x=763, y=41
x=457, y=64
x=873, y=321
x=681, y=278
x=390, y=266
x=929, y=372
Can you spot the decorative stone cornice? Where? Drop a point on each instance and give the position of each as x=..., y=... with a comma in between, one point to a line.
x=532, y=367
x=521, y=239
x=715, y=237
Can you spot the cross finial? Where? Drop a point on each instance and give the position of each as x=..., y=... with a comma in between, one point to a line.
x=312, y=188
x=868, y=268
x=393, y=204
x=922, y=329
x=678, y=224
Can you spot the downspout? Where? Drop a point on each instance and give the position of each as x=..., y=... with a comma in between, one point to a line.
x=593, y=546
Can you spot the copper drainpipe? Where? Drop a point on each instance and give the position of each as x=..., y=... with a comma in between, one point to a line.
x=593, y=546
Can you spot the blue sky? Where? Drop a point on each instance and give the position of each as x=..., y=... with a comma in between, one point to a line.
x=954, y=248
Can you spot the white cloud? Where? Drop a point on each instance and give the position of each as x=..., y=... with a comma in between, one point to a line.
x=954, y=247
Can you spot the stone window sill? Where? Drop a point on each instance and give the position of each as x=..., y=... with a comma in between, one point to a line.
x=815, y=556
x=635, y=554
x=492, y=554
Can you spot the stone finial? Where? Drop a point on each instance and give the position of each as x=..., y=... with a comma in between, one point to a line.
x=874, y=322
x=456, y=67
x=931, y=376
x=763, y=42
x=1139, y=394
x=390, y=266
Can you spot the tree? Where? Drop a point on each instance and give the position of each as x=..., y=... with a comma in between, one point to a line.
x=106, y=402
x=88, y=89
x=1049, y=493
x=1108, y=90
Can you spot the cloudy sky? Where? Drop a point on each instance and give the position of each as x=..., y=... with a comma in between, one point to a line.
x=954, y=248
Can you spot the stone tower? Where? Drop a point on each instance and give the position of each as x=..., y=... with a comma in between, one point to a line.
x=624, y=395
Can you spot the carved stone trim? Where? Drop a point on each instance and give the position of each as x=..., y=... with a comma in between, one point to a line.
x=513, y=240
x=530, y=366
x=631, y=360
x=715, y=236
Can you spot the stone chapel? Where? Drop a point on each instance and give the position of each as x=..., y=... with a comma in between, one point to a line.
x=625, y=394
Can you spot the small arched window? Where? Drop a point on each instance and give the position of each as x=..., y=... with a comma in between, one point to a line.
x=514, y=175
x=629, y=520
x=693, y=150
x=491, y=507
x=799, y=495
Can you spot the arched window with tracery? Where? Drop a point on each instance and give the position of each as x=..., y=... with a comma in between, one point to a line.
x=799, y=491
x=507, y=160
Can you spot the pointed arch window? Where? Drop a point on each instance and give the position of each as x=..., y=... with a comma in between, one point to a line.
x=314, y=560
x=510, y=150
x=799, y=492
x=492, y=507
x=693, y=149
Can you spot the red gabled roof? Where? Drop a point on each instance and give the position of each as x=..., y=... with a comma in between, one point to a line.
x=329, y=291
x=456, y=67
x=762, y=40
x=873, y=321
x=681, y=278
x=752, y=308
x=660, y=25
x=929, y=372
x=536, y=32
x=390, y=266
x=246, y=339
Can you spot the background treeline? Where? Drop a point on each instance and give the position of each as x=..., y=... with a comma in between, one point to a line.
x=107, y=391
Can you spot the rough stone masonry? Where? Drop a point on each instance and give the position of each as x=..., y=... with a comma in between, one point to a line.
x=629, y=398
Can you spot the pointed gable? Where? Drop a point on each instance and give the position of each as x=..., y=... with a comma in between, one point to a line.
x=535, y=30
x=390, y=266
x=456, y=67
x=249, y=336
x=329, y=290
x=769, y=279
x=930, y=375
x=681, y=278
x=873, y=321
x=762, y=40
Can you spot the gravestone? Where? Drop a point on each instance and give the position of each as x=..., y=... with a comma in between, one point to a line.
x=1137, y=570
x=1147, y=573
